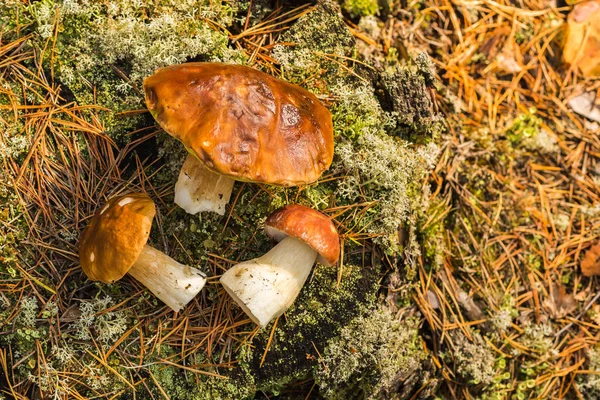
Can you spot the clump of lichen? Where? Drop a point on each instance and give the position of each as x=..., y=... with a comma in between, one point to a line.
x=320, y=38
x=504, y=317
x=370, y=358
x=381, y=168
x=538, y=337
x=473, y=358
x=104, y=326
x=589, y=384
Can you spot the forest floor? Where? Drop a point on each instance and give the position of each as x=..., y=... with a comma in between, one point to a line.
x=490, y=285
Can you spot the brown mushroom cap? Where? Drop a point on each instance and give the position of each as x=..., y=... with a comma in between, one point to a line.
x=243, y=123
x=310, y=226
x=115, y=236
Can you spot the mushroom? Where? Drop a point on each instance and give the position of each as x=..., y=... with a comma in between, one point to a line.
x=267, y=286
x=114, y=243
x=581, y=44
x=238, y=123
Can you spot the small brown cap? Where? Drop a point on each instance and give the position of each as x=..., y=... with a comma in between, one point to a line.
x=310, y=226
x=115, y=236
x=243, y=123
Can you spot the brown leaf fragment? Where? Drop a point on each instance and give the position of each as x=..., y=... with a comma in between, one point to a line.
x=560, y=303
x=581, y=46
x=590, y=266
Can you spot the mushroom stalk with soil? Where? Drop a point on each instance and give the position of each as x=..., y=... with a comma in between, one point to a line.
x=173, y=283
x=267, y=286
x=200, y=189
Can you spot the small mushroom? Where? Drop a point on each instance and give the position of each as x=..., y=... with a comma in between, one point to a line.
x=267, y=286
x=114, y=243
x=238, y=123
x=581, y=44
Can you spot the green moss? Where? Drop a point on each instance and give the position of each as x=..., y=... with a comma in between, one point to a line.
x=405, y=93
x=321, y=311
x=370, y=358
x=526, y=133
x=360, y=8
x=177, y=384
x=317, y=37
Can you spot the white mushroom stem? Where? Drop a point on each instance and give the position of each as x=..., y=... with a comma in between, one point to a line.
x=267, y=286
x=174, y=283
x=199, y=189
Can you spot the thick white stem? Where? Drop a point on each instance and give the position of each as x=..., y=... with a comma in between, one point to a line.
x=199, y=189
x=175, y=284
x=267, y=286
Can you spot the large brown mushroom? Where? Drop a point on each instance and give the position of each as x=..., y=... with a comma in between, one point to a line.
x=114, y=244
x=267, y=286
x=238, y=123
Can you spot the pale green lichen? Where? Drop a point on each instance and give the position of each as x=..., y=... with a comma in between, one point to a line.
x=589, y=384
x=473, y=358
x=317, y=37
x=389, y=171
x=538, y=337
x=370, y=358
x=504, y=317
x=105, y=326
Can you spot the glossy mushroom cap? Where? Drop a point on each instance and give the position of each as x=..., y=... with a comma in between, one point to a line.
x=308, y=225
x=115, y=236
x=243, y=123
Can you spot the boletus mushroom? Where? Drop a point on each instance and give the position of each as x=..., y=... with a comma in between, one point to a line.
x=267, y=286
x=581, y=44
x=238, y=123
x=114, y=244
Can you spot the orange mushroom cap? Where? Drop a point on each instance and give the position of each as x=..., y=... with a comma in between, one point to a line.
x=243, y=123
x=115, y=237
x=308, y=225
